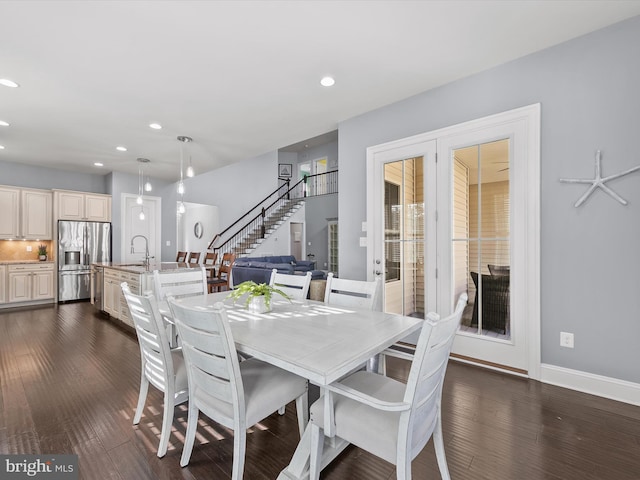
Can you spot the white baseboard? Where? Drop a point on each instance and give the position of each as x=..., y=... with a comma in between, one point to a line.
x=607, y=387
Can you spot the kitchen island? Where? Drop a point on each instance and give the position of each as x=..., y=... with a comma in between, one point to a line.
x=106, y=293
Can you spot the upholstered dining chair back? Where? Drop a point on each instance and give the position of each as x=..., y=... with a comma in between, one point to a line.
x=160, y=366
x=234, y=394
x=209, y=262
x=352, y=293
x=224, y=277
x=296, y=286
x=193, y=258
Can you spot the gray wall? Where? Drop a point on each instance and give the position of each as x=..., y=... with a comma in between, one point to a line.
x=588, y=89
x=119, y=183
x=329, y=150
x=28, y=176
x=234, y=189
x=291, y=158
x=318, y=210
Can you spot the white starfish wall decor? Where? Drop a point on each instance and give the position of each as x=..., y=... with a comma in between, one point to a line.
x=599, y=182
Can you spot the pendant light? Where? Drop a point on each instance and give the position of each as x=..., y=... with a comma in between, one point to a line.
x=140, y=200
x=183, y=139
x=190, y=173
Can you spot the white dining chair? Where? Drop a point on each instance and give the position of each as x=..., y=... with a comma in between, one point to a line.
x=356, y=294
x=296, y=286
x=388, y=418
x=161, y=366
x=180, y=283
x=234, y=394
x=352, y=293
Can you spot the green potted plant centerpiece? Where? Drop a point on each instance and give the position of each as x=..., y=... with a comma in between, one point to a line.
x=42, y=252
x=258, y=296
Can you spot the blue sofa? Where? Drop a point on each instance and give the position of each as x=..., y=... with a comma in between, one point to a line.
x=259, y=269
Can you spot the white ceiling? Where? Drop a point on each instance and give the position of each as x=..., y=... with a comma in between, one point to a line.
x=242, y=77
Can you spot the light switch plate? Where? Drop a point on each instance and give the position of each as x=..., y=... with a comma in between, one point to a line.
x=363, y=241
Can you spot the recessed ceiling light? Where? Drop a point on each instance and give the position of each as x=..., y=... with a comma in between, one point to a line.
x=1, y=147
x=155, y=126
x=3, y=123
x=98, y=164
x=8, y=83
x=121, y=148
x=327, y=81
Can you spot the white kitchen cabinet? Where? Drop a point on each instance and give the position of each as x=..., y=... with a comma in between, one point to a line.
x=42, y=285
x=29, y=282
x=26, y=214
x=3, y=284
x=10, y=208
x=114, y=302
x=133, y=281
x=36, y=207
x=92, y=207
x=97, y=208
x=112, y=293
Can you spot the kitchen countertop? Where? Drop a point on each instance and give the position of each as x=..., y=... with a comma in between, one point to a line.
x=140, y=268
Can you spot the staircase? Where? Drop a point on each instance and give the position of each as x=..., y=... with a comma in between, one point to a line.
x=245, y=234
x=254, y=237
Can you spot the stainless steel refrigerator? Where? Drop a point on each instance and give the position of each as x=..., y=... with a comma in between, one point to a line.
x=79, y=245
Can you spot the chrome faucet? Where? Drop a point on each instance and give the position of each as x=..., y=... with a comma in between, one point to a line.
x=146, y=248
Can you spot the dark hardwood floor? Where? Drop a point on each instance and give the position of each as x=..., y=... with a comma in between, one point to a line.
x=69, y=383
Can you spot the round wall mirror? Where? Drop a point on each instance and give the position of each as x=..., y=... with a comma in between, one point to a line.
x=197, y=230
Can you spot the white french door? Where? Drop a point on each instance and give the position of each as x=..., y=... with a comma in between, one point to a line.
x=404, y=249
x=467, y=222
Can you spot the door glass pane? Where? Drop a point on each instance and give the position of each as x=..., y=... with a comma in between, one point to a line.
x=413, y=278
x=404, y=237
x=392, y=219
x=413, y=196
x=481, y=236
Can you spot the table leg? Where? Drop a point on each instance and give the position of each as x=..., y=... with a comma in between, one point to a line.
x=298, y=469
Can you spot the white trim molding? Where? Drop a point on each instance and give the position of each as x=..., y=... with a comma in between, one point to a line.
x=607, y=387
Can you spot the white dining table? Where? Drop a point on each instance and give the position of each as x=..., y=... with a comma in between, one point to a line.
x=317, y=341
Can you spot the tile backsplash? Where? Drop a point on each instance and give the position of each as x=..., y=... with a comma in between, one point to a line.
x=17, y=249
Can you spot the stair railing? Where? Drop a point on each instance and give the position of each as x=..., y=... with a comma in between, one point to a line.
x=248, y=212
x=256, y=227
